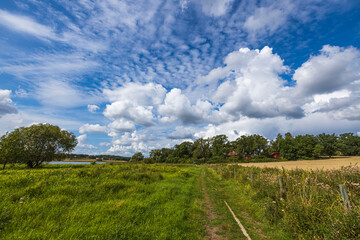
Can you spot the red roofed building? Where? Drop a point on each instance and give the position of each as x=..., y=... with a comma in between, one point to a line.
x=274, y=155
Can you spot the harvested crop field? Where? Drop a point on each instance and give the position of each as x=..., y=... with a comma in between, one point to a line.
x=327, y=164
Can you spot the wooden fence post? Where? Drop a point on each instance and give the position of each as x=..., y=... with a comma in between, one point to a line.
x=345, y=197
x=252, y=179
x=281, y=184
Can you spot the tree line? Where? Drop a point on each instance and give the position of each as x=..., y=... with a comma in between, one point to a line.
x=256, y=148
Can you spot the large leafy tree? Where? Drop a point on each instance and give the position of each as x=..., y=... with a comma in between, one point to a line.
x=288, y=148
x=329, y=142
x=137, y=157
x=11, y=148
x=183, y=150
x=251, y=145
x=202, y=149
x=349, y=144
x=219, y=145
x=305, y=145
x=37, y=144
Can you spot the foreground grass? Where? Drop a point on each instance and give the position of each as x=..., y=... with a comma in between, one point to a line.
x=101, y=202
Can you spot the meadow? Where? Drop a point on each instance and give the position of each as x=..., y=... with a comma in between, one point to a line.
x=101, y=202
x=159, y=201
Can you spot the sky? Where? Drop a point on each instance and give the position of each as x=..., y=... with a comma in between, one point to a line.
x=130, y=76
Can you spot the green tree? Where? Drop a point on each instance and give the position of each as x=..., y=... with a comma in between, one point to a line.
x=183, y=150
x=219, y=145
x=10, y=148
x=156, y=155
x=288, y=148
x=37, y=144
x=349, y=144
x=202, y=149
x=276, y=144
x=137, y=157
x=251, y=145
x=329, y=142
x=305, y=146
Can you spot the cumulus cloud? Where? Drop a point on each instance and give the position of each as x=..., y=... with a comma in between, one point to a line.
x=253, y=87
x=330, y=82
x=178, y=107
x=6, y=105
x=82, y=142
x=132, y=104
x=182, y=133
x=130, y=143
x=93, y=108
x=128, y=110
x=121, y=126
x=93, y=128
x=333, y=69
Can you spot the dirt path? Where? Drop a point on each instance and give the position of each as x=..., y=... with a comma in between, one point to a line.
x=211, y=230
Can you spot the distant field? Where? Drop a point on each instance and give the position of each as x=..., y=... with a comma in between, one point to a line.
x=328, y=164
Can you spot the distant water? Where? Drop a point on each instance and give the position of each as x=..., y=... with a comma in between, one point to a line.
x=62, y=162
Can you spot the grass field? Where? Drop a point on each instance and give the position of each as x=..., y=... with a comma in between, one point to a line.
x=139, y=201
x=327, y=164
x=101, y=202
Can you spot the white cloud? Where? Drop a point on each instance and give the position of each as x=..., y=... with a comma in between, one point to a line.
x=104, y=144
x=178, y=107
x=265, y=20
x=253, y=87
x=93, y=108
x=82, y=142
x=121, y=126
x=182, y=132
x=132, y=104
x=6, y=105
x=43, y=66
x=332, y=70
x=215, y=8
x=139, y=94
x=130, y=143
x=93, y=128
x=25, y=24
x=63, y=94
x=128, y=110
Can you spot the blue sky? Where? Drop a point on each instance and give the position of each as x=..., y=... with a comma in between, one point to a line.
x=129, y=76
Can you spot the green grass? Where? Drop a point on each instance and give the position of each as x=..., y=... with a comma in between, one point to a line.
x=101, y=202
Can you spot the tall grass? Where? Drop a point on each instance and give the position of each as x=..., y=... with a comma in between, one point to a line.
x=101, y=202
x=310, y=205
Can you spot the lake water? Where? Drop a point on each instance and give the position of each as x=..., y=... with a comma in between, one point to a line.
x=63, y=162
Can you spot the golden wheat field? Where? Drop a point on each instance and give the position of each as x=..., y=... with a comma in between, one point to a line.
x=327, y=164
